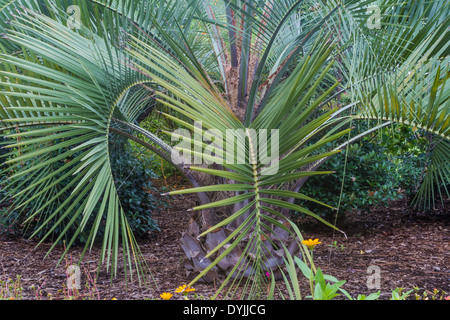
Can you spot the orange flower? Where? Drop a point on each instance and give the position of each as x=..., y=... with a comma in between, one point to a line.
x=311, y=243
x=166, y=295
x=183, y=289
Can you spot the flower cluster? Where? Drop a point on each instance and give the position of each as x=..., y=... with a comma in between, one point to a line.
x=184, y=289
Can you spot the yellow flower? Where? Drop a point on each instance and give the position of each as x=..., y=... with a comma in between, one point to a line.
x=311, y=243
x=113, y=299
x=183, y=289
x=166, y=296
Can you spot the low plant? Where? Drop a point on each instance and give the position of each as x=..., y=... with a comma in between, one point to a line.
x=327, y=287
x=372, y=296
x=88, y=291
x=322, y=286
x=11, y=289
x=335, y=245
x=430, y=295
x=399, y=294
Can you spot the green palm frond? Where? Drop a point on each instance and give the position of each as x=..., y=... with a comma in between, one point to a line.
x=436, y=177
x=249, y=181
x=72, y=107
x=415, y=94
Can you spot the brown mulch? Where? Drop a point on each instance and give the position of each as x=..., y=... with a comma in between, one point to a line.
x=411, y=250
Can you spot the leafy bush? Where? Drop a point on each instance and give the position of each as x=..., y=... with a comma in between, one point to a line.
x=375, y=173
x=137, y=193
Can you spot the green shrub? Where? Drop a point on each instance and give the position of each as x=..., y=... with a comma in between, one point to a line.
x=376, y=171
x=139, y=197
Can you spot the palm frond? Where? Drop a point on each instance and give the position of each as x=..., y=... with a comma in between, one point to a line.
x=248, y=179
x=73, y=106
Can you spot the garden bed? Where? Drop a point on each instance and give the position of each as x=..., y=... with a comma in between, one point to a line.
x=411, y=250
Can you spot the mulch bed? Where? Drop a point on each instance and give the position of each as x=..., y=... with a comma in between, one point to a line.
x=411, y=250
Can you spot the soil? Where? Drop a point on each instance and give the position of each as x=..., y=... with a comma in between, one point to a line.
x=410, y=250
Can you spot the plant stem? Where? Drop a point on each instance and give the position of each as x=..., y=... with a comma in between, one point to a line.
x=311, y=277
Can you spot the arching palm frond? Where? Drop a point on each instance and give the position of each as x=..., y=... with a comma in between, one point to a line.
x=416, y=94
x=63, y=94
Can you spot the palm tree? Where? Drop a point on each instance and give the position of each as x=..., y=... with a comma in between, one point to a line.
x=75, y=75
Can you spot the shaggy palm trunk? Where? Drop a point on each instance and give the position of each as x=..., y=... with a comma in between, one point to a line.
x=196, y=248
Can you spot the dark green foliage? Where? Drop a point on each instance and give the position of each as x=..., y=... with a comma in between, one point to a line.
x=377, y=170
x=139, y=198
